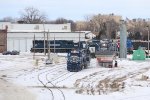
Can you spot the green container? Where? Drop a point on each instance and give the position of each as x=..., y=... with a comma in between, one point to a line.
x=139, y=55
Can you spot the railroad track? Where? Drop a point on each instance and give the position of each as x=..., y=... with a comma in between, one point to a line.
x=55, y=87
x=64, y=76
x=69, y=75
x=52, y=95
x=51, y=71
x=53, y=77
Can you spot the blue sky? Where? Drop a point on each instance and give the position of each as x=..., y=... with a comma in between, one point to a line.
x=77, y=9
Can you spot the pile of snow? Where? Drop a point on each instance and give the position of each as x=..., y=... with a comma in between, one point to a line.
x=111, y=80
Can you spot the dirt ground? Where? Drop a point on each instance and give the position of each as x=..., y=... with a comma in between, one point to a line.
x=9, y=91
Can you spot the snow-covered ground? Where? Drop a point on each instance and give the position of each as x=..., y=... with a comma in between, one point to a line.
x=129, y=81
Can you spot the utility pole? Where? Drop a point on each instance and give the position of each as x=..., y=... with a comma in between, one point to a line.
x=54, y=43
x=79, y=36
x=48, y=45
x=34, y=47
x=44, y=40
x=148, y=39
x=48, y=61
x=79, y=39
x=123, y=40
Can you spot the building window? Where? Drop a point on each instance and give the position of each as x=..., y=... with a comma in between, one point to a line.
x=64, y=28
x=36, y=27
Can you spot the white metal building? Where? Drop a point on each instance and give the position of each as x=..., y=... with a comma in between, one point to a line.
x=20, y=36
x=22, y=41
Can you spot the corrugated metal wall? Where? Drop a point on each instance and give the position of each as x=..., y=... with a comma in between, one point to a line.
x=3, y=40
x=19, y=44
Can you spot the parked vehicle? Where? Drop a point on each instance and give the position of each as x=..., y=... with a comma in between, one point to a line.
x=6, y=53
x=14, y=52
x=105, y=56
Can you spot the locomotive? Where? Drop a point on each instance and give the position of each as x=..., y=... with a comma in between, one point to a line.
x=129, y=46
x=103, y=44
x=78, y=60
x=93, y=47
x=57, y=46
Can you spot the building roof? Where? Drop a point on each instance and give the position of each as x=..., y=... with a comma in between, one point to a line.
x=36, y=27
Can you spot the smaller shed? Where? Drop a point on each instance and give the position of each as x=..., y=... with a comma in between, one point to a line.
x=139, y=54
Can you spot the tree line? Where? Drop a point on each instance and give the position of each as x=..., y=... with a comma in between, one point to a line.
x=99, y=24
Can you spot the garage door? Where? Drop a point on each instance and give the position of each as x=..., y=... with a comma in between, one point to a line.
x=3, y=40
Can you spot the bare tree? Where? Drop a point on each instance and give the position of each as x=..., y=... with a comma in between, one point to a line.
x=61, y=21
x=32, y=15
x=106, y=25
x=136, y=26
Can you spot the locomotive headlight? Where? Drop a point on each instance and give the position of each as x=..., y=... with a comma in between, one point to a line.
x=104, y=45
x=74, y=59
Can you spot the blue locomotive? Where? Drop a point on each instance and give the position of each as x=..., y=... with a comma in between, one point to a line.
x=57, y=46
x=78, y=60
x=129, y=46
